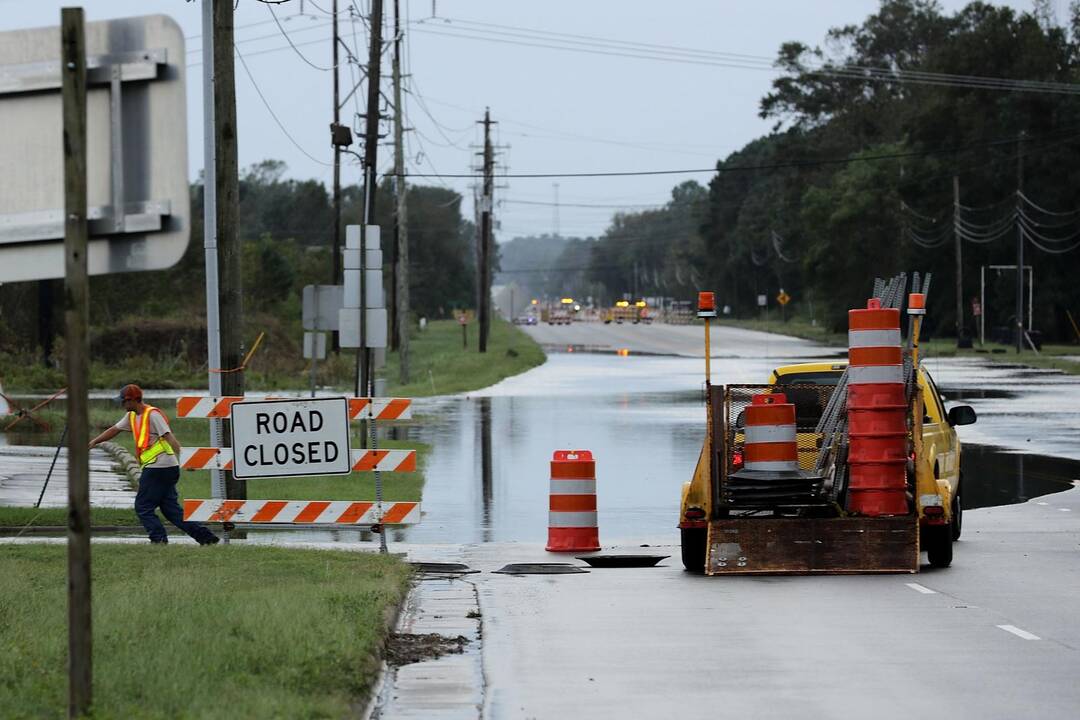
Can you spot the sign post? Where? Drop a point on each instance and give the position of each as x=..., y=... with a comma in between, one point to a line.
x=76, y=315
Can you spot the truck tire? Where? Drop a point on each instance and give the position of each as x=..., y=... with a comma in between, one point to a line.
x=693, y=548
x=957, y=524
x=938, y=541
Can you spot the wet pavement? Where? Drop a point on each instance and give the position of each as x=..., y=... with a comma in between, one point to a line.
x=24, y=470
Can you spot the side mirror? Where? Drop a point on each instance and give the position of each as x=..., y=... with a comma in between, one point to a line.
x=962, y=415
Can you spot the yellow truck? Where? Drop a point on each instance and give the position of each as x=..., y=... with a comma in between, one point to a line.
x=722, y=532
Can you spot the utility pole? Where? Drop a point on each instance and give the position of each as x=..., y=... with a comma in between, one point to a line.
x=371, y=147
x=1019, y=248
x=485, y=235
x=335, y=243
x=230, y=297
x=401, y=225
x=76, y=318
x=959, y=264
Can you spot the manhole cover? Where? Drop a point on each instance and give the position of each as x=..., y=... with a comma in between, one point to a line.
x=622, y=561
x=541, y=569
x=437, y=567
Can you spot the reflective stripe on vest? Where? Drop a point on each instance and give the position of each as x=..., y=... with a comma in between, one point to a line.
x=141, y=432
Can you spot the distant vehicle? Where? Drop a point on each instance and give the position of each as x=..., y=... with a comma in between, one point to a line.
x=525, y=320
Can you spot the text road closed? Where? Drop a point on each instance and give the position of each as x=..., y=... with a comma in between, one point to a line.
x=281, y=438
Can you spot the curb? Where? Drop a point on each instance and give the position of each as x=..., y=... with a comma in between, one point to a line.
x=392, y=620
x=123, y=458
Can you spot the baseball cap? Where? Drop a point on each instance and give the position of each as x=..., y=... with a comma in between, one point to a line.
x=130, y=392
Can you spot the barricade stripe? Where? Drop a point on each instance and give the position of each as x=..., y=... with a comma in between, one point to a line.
x=268, y=511
x=874, y=338
x=572, y=503
x=191, y=507
x=573, y=470
x=368, y=459
x=875, y=356
x=354, y=512
x=571, y=519
x=573, y=487
x=202, y=406
x=226, y=510
x=185, y=404
x=397, y=512
x=769, y=433
x=874, y=374
x=408, y=464
x=770, y=451
x=312, y=512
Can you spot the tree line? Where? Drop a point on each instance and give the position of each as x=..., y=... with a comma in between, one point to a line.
x=856, y=178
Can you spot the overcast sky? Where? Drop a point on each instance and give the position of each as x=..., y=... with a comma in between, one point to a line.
x=613, y=108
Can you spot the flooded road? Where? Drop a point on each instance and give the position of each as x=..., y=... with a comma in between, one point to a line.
x=643, y=418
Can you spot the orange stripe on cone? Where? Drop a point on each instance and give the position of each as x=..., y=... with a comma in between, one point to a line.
x=585, y=470
x=572, y=503
x=874, y=319
x=875, y=356
x=770, y=452
x=782, y=414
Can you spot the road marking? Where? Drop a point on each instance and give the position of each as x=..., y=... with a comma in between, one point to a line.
x=1018, y=632
x=1042, y=503
x=1065, y=509
x=921, y=588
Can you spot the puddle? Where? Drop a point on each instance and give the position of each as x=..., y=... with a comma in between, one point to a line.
x=993, y=476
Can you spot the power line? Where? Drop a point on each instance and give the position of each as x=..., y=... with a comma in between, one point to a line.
x=270, y=110
x=293, y=45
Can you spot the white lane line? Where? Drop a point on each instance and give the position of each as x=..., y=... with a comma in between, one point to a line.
x=1065, y=509
x=1018, y=632
x=1042, y=503
x=921, y=588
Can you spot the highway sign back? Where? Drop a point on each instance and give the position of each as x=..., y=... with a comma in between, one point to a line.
x=291, y=438
x=136, y=174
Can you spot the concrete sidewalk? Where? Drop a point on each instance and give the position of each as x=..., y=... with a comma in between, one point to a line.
x=23, y=469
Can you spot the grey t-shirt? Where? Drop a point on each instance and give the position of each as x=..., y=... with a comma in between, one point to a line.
x=158, y=427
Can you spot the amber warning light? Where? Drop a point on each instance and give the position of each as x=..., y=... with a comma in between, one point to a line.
x=706, y=305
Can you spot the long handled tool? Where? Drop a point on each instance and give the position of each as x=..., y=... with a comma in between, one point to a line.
x=59, y=445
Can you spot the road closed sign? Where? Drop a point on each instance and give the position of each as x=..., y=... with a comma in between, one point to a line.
x=291, y=438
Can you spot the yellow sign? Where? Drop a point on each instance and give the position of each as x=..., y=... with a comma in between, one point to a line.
x=783, y=298
x=463, y=316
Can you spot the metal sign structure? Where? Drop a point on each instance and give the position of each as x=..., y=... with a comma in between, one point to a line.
x=138, y=195
x=291, y=438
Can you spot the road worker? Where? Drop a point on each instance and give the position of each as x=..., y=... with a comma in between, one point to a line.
x=156, y=449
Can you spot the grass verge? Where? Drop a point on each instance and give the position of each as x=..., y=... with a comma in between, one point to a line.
x=185, y=631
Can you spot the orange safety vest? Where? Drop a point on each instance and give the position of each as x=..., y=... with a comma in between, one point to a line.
x=140, y=429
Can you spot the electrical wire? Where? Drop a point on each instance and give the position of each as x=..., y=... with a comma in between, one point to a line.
x=1043, y=210
x=266, y=103
x=1052, y=251
x=294, y=46
x=922, y=242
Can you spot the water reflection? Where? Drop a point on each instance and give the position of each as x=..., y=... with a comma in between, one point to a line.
x=993, y=476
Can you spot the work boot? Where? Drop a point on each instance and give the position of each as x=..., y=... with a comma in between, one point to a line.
x=212, y=540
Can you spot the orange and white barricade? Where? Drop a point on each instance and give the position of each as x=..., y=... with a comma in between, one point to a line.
x=572, y=520
x=301, y=512
x=365, y=408
x=209, y=458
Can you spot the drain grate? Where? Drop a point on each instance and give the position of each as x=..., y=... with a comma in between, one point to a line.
x=433, y=568
x=541, y=569
x=622, y=561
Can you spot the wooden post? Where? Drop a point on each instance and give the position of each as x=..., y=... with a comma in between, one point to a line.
x=76, y=315
x=230, y=297
x=401, y=234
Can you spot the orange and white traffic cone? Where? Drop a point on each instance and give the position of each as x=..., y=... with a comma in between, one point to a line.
x=572, y=524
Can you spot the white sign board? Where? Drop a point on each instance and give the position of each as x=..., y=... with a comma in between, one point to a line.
x=762, y=300
x=138, y=197
x=291, y=438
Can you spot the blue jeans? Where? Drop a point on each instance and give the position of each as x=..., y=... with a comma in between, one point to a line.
x=157, y=489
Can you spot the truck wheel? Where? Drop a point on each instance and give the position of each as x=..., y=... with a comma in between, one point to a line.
x=957, y=515
x=693, y=548
x=938, y=541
